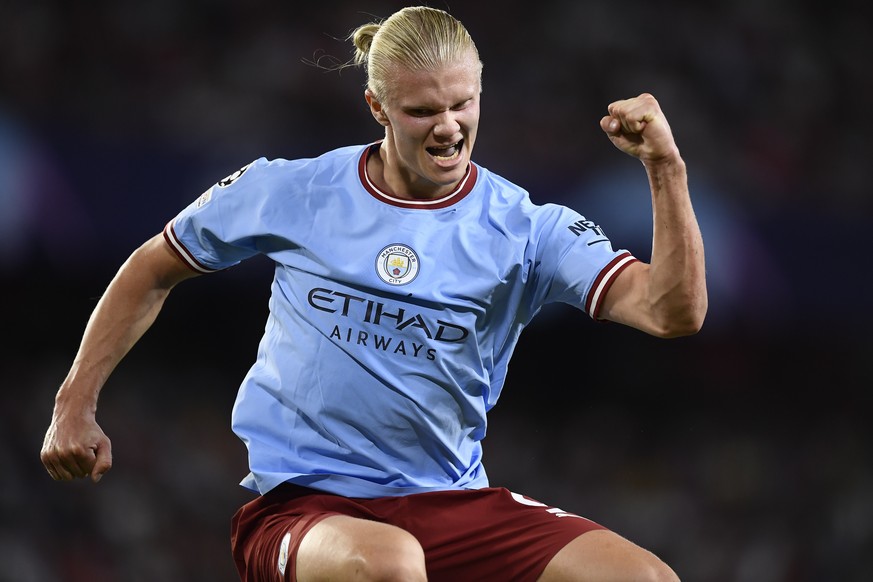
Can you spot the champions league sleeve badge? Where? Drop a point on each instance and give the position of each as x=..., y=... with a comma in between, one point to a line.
x=225, y=182
x=397, y=264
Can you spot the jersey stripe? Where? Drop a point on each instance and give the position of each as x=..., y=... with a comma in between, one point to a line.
x=604, y=280
x=182, y=252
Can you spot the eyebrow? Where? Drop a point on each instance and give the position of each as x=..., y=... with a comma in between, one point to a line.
x=431, y=107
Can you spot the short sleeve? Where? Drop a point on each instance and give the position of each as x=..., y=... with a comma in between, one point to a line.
x=220, y=228
x=577, y=262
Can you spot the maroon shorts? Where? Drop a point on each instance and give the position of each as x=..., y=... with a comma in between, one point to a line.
x=479, y=534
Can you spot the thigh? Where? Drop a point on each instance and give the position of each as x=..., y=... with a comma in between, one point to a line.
x=294, y=533
x=487, y=534
x=604, y=556
x=340, y=547
x=266, y=536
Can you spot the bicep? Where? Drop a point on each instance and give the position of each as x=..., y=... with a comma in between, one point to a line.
x=157, y=261
x=132, y=302
x=626, y=301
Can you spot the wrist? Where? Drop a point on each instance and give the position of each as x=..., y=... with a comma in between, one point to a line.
x=68, y=404
x=671, y=163
x=76, y=398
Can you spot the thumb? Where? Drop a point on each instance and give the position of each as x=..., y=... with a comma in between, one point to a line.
x=103, y=462
x=610, y=124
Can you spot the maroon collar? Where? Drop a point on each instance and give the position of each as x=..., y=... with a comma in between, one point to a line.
x=464, y=186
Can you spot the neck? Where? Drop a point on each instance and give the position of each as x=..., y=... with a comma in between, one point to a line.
x=388, y=174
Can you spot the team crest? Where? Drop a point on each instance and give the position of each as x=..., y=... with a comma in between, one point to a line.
x=397, y=264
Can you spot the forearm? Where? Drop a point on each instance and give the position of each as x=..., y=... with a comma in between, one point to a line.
x=124, y=313
x=121, y=317
x=75, y=446
x=677, y=283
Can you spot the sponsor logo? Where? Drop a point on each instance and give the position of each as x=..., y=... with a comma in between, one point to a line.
x=582, y=226
x=364, y=310
x=397, y=264
x=585, y=225
x=373, y=324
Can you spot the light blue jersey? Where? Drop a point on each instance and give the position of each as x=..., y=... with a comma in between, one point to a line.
x=391, y=322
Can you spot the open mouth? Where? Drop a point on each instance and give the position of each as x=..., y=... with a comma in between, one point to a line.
x=445, y=153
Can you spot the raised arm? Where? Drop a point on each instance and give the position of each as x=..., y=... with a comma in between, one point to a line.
x=74, y=445
x=667, y=297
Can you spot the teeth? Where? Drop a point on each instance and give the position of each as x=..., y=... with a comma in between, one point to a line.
x=454, y=148
x=451, y=157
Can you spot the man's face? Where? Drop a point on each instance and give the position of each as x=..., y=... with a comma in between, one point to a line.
x=431, y=119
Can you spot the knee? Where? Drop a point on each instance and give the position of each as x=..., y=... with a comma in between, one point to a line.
x=398, y=559
x=650, y=569
x=604, y=555
x=657, y=571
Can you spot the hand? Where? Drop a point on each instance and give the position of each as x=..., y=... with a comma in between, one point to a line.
x=637, y=126
x=75, y=447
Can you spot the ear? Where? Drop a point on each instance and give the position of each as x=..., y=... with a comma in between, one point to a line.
x=376, y=108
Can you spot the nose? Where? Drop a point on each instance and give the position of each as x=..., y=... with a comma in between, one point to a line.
x=446, y=125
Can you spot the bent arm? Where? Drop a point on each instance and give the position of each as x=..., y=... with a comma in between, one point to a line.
x=74, y=445
x=667, y=297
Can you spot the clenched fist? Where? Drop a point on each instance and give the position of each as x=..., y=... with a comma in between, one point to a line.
x=75, y=447
x=637, y=126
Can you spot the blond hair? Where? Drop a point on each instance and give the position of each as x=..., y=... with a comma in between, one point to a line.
x=416, y=38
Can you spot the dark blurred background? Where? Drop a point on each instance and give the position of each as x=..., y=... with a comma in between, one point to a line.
x=744, y=453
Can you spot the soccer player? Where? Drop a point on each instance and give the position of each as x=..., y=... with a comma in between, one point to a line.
x=404, y=275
